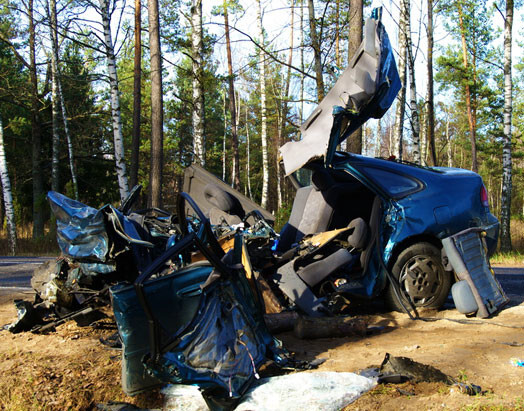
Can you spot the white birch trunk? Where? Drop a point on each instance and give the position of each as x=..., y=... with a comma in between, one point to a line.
x=68, y=139
x=118, y=138
x=198, y=92
x=55, y=156
x=248, y=154
x=263, y=109
x=448, y=140
x=415, y=120
x=505, y=209
x=364, y=150
x=224, y=140
x=8, y=196
x=396, y=148
x=379, y=138
x=60, y=97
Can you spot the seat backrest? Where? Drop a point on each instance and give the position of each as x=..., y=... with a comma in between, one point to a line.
x=312, y=210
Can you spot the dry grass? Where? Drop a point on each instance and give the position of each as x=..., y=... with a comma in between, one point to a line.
x=26, y=245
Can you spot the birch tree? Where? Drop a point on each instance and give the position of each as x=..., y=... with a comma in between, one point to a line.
x=401, y=98
x=118, y=139
x=8, y=197
x=55, y=184
x=198, y=92
x=414, y=119
x=157, y=111
x=505, y=211
x=58, y=98
x=263, y=110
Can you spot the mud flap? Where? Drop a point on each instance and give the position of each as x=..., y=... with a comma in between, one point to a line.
x=466, y=252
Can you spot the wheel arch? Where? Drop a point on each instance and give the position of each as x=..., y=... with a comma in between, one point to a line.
x=409, y=241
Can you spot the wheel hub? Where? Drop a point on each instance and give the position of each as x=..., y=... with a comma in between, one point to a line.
x=421, y=278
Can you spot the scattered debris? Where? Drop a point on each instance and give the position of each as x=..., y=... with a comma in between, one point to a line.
x=413, y=370
x=516, y=362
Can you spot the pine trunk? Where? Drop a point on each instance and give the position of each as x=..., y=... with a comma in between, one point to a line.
x=157, y=110
x=137, y=95
x=505, y=209
x=430, y=131
x=354, y=142
x=118, y=137
x=198, y=92
x=315, y=44
x=469, y=108
x=36, y=133
x=263, y=109
x=8, y=196
x=232, y=106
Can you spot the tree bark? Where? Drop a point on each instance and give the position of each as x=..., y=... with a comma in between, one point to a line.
x=401, y=100
x=59, y=95
x=157, y=110
x=116, y=117
x=232, y=107
x=137, y=95
x=55, y=177
x=415, y=120
x=248, y=160
x=315, y=44
x=354, y=141
x=430, y=132
x=8, y=196
x=263, y=109
x=198, y=92
x=469, y=108
x=505, y=209
x=36, y=136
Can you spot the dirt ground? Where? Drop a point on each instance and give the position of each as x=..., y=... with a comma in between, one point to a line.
x=71, y=369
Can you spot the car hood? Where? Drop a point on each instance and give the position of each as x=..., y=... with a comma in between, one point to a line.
x=366, y=89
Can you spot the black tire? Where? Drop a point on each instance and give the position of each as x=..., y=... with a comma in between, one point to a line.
x=421, y=275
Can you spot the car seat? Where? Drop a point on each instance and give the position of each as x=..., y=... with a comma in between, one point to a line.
x=312, y=210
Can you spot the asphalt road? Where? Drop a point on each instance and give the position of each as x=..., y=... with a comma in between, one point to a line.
x=16, y=272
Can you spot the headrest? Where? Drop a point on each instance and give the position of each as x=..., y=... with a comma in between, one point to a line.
x=218, y=197
x=359, y=236
x=321, y=179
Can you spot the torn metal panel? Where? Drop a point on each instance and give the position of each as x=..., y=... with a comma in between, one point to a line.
x=81, y=231
x=366, y=89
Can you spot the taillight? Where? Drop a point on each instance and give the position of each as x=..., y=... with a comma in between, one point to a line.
x=484, y=196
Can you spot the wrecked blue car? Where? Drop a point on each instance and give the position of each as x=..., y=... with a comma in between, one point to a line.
x=360, y=227
x=189, y=291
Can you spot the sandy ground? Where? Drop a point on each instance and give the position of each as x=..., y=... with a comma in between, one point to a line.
x=70, y=369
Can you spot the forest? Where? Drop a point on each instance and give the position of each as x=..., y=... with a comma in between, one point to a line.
x=97, y=96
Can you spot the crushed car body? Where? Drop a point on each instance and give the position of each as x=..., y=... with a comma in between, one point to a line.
x=189, y=290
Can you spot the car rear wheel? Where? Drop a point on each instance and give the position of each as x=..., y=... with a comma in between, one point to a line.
x=421, y=276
